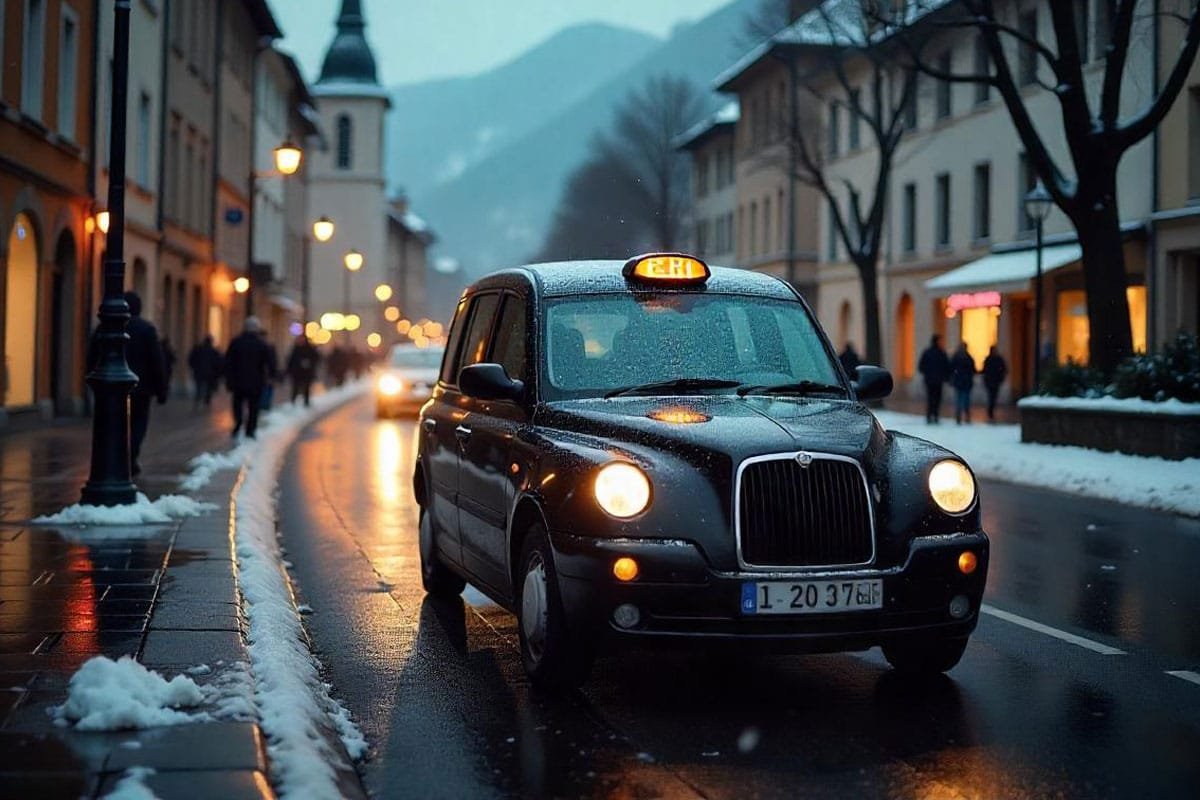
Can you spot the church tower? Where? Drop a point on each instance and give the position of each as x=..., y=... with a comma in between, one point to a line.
x=346, y=178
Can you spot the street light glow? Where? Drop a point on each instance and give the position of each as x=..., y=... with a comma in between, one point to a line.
x=353, y=260
x=323, y=229
x=333, y=321
x=103, y=218
x=241, y=285
x=287, y=158
x=391, y=313
x=383, y=293
x=374, y=339
x=352, y=322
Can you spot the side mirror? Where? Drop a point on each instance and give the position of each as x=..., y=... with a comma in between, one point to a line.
x=489, y=382
x=872, y=383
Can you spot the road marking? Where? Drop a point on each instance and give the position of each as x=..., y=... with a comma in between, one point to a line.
x=1187, y=675
x=1070, y=638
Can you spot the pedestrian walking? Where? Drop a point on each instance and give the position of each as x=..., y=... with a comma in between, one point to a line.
x=144, y=354
x=850, y=360
x=962, y=378
x=205, y=362
x=302, y=368
x=247, y=369
x=994, y=373
x=268, y=392
x=337, y=365
x=934, y=367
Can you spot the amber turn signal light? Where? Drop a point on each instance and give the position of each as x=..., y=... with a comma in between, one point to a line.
x=625, y=568
x=967, y=562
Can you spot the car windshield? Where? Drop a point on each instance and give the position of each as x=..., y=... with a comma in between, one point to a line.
x=416, y=358
x=600, y=345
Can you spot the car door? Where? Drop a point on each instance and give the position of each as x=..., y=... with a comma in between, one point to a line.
x=486, y=478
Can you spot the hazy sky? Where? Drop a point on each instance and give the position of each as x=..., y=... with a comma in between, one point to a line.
x=418, y=39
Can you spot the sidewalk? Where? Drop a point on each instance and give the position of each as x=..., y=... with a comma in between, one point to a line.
x=166, y=594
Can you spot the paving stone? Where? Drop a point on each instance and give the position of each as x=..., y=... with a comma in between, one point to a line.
x=214, y=584
x=48, y=752
x=195, y=615
x=23, y=642
x=131, y=592
x=201, y=784
x=180, y=648
x=48, y=785
x=34, y=713
x=203, y=746
x=62, y=623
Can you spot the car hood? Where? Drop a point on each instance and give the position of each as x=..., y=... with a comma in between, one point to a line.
x=731, y=426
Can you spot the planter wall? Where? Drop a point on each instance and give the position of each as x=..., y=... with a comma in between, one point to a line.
x=1174, y=436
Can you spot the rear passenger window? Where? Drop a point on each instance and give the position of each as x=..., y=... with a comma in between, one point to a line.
x=450, y=360
x=474, y=346
x=509, y=348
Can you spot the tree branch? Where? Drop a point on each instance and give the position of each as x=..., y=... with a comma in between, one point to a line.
x=1142, y=125
x=1114, y=64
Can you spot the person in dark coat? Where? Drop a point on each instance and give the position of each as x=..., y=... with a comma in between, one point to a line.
x=205, y=363
x=248, y=367
x=962, y=378
x=144, y=354
x=268, y=392
x=850, y=360
x=337, y=365
x=994, y=373
x=302, y=367
x=934, y=367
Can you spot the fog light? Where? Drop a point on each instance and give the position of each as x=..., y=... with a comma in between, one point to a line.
x=627, y=615
x=967, y=562
x=960, y=606
x=625, y=568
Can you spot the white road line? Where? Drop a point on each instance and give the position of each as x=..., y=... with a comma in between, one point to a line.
x=1187, y=675
x=1070, y=638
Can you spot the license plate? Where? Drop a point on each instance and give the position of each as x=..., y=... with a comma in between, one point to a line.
x=811, y=597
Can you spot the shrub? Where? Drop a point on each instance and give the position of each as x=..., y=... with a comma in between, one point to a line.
x=1072, y=380
x=1172, y=373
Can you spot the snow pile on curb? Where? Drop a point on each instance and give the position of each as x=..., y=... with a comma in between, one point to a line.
x=293, y=702
x=996, y=451
x=202, y=468
x=130, y=787
x=1120, y=405
x=141, y=512
x=107, y=695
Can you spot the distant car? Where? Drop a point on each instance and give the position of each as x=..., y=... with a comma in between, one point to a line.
x=660, y=451
x=404, y=382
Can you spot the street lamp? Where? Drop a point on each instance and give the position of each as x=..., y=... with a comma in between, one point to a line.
x=287, y=161
x=323, y=229
x=241, y=285
x=287, y=158
x=103, y=220
x=383, y=293
x=111, y=379
x=353, y=260
x=1037, y=206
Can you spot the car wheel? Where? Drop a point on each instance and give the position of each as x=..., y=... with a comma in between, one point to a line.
x=553, y=657
x=925, y=658
x=436, y=577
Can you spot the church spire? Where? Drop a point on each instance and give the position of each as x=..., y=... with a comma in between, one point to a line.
x=349, y=57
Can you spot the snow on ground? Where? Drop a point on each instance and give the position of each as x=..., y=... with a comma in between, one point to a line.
x=107, y=695
x=204, y=466
x=130, y=787
x=996, y=451
x=141, y=512
x=293, y=702
x=1122, y=405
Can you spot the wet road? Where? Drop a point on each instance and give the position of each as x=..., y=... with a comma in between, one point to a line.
x=1065, y=691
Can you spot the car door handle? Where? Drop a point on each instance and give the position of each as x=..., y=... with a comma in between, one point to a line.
x=463, y=433
x=429, y=425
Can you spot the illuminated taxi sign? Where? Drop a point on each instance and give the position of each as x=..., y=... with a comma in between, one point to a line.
x=666, y=268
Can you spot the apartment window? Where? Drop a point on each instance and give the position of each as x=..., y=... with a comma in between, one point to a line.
x=983, y=201
x=909, y=210
x=942, y=231
x=910, y=108
x=1027, y=56
x=753, y=228
x=33, y=58
x=782, y=227
x=172, y=167
x=855, y=120
x=1026, y=180
x=943, y=87
x=1193, y=140
x=833, y=133
x=766, y=224
x=68, y=62
x=204, y=188
x=344, y=133
x=190, y=182
x=701, y=174
x=741, y=231
x=144, y=145
x=831, y=234
x=983, y=66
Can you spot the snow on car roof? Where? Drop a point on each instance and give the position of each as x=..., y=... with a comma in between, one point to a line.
x=560, y=278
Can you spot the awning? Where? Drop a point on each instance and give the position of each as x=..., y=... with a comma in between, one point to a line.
x=1002, y=272
x=287, y=304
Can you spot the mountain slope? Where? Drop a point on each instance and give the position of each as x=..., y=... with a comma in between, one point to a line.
x=438, y=129
x=497, y=211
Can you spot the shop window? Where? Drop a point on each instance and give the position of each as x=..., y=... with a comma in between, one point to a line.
x=20, y=314
x=1073, y=327
x=980, y=330
x=906, y=348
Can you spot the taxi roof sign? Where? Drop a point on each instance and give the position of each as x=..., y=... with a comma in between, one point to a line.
x=666, y=268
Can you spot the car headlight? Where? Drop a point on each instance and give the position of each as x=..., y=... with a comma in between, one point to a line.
x=952, y=486
x=622, y=490
x=390, y=385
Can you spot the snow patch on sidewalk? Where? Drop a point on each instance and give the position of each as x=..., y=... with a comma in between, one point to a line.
x=107, y=695
x=142, y=511
x=131, y=786
x=202, y=468
x=996, y=451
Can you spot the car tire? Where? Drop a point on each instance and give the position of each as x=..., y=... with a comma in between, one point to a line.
x=553, y=656
x=438, y=579
x=925, y=658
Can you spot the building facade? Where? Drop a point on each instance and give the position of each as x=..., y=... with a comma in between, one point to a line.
x=409, y=239
x=714, y=189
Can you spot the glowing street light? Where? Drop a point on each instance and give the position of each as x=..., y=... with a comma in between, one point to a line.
x=241, y=285
x=353, y=260
x=333, y=321
x=287, y=158
x=374, y=340
x=102, y=221
x=391, y=313
x=383, y=293
x=323, y=229
x=352, y=322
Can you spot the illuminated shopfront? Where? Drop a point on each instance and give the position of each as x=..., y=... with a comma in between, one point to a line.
x=979, y=325
x=1073, y=323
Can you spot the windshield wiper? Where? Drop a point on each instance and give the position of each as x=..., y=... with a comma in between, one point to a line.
x=797, y=388
x=678, y=383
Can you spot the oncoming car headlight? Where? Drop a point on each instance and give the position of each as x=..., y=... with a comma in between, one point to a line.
x=952, y=486
x=390, y=385
x=622, y=489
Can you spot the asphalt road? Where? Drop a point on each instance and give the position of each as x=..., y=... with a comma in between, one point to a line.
x=1065, y=690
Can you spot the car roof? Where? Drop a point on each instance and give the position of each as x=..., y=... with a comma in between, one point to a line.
x=563, y=278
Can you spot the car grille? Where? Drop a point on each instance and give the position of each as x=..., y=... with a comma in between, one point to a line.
x=791, y=515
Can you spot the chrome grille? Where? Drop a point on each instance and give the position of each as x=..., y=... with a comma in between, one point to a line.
x=811, y=514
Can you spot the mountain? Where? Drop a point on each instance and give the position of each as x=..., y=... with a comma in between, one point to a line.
x=439, y=129
x=497, y=210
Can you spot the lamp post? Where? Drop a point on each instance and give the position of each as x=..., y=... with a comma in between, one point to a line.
x=111, y=379
x=353, y=261
x=322, y=231
x=1037, y=205
x=287, y=161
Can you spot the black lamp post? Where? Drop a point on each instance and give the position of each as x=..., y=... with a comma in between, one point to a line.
x=111, y=379
x=287, y=160
x=1037, y=205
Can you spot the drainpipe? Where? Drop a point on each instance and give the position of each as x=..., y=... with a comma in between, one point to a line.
x=1152, y=238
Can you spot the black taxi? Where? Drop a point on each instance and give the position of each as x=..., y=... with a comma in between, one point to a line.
x=661, y=451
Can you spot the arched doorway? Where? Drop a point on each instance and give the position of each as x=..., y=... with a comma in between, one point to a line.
x=139, y=279
x=845, y=323
x=906, y=350
x=63, y=326
x=20, y=314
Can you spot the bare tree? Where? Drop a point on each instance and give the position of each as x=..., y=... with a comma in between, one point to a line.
x=1095, y=133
